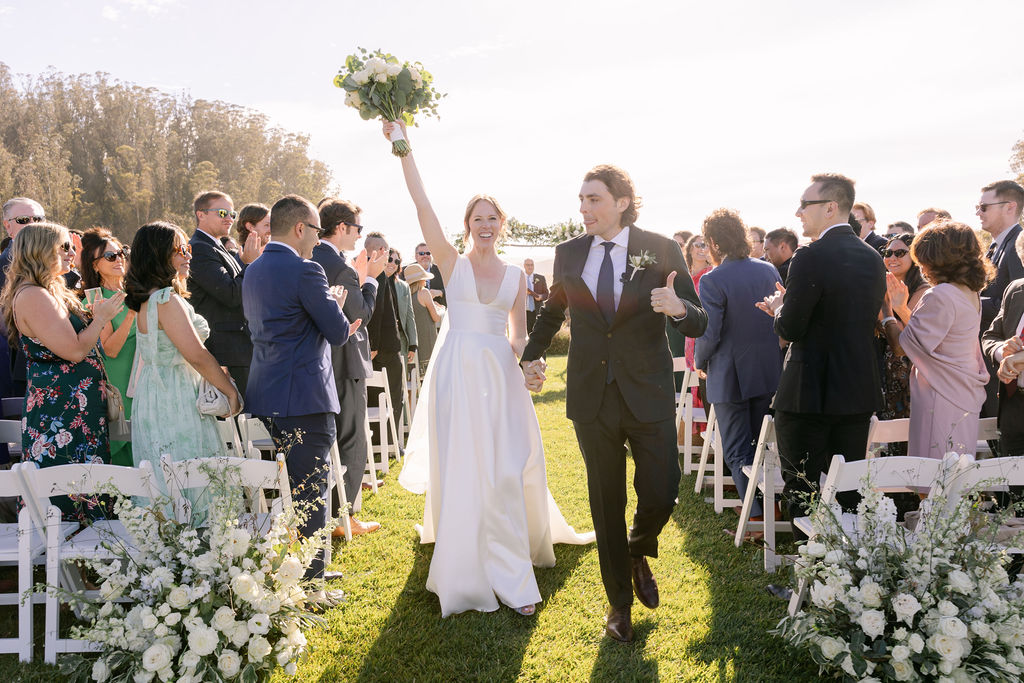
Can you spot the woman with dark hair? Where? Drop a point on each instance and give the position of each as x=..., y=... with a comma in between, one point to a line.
x=253, y=218
x=904, y=288
x=696, y=256
x=104, y=264
x=407, y=331
x=172, y=358
x=947, y=382
x=64, y=416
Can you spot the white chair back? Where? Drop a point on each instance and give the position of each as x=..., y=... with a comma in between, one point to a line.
x=883, y=473
x=254, y=475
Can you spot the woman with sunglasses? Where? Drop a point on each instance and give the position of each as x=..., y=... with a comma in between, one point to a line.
x=698, y=261
x=171, y=355
x=407, y=330
x=64, y=416
x=104, y=264
x=904, y=288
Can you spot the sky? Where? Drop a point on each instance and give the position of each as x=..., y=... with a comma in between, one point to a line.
x=705, y=104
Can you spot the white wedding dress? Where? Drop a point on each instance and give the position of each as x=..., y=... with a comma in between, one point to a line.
x=475, y=449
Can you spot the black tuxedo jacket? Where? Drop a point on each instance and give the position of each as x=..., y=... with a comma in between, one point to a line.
x=351, y=360
x=215, y=283
x=540, y=286
x=1004, y=325
x=834, y=292
x=1008, y=268
x=634, y=344
x=383, y=324
x=875, y=241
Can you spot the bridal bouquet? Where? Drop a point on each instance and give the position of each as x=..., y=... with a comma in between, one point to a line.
x=220, y=603
x=380, y=86
x=934, y=604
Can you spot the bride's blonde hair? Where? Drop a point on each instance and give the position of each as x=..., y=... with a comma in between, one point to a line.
x=34, y=257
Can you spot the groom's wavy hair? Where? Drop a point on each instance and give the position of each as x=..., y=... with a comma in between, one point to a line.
x=149, y=264
x=620, y=185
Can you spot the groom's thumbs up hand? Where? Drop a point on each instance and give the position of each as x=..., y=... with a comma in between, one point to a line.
x=664, y=299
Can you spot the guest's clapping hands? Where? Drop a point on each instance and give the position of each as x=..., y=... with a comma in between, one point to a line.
x=664, y=299
x=105, y=310
x=533, y=371
x=773, y=303
x=252, y=248
x=897, y=291
x=340, y=294
x=370, y=265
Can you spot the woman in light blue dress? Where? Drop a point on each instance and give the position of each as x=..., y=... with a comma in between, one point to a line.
x=171, y=357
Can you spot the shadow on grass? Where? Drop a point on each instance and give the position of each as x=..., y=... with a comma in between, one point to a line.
x=415, y=643
x=737, y=643
x=615, y=658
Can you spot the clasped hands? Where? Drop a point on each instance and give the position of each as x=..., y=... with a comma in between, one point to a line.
x=772, y=304
x=533, y=372
x=1013, y=360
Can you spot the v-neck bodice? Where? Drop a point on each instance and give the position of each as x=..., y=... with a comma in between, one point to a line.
x=465, y=310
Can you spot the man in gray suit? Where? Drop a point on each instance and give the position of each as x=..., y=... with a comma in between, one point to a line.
x=339, y=220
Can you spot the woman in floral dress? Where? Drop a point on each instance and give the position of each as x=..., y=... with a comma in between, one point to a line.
x=65, y=404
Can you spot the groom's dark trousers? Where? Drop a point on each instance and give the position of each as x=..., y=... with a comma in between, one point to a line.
x=632, y=403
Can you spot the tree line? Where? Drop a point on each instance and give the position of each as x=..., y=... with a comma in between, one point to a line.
x=97, y=151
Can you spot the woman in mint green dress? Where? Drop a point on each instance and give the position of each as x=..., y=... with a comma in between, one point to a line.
x=104, y=263
x=171, y=355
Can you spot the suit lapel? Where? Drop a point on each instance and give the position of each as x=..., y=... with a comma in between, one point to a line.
x=631, y=285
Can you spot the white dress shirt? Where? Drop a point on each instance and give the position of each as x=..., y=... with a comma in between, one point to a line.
x=530, y=303
x=592, y=268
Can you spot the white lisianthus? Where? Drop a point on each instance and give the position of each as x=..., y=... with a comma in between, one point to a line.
x=229, y=663
x=259, y=647
x=290, y=571
x=872, y=622
x=834, y=557
x=237, y=543
x=393, y=69
x=259, y=624
x=871, y=594
x=245, y=587
x=361, y=77
x=284, y=656
x=916, y=643
x=953, y=627
x=269, y=604
x=142, y=677
x=296, y=639
x=161, y=630
x=156, y=657
x=901, y=652
x=981, y=629
x=830, y=648
x=179, y=597
x=100, y=670
x=960, y=582
x=381, y=78
x=223, y=619
x=903, y=670
x=946, y=647
x=203, y=640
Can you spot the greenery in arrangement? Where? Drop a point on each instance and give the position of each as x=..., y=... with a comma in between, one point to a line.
x=932, y=604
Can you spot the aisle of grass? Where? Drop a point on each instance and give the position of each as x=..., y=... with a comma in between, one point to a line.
x=711, y=626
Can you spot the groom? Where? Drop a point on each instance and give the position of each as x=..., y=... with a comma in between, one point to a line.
x=618, y=283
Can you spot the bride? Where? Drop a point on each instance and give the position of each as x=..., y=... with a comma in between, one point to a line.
x=475, y=446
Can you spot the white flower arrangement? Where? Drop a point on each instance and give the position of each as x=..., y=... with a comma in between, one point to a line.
x=220, y=603
x=933, y=604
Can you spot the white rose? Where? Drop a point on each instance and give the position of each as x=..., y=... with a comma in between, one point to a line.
x=270, y=604
x=813, y=549
x=948, y=609
x=223, y=618
x=361, y=77
x=847, y=665
x=830, y=648
x=239, y=634
x=953, y=627
x=237, y=544
x=872, y=622
x=189, y=660
x=161, y=630
x=172, y=619
x=960, y=582
x=259, y=647
x=981, y=629
x=946, y=647
x=245, y=587
x=149, y=622
x=156, y=657
x=203, y=640
x=100, y=670
x=229, y=663
x=259, y=624
x=901, y=652
x=823, y=595
x=394, y=69
x=163, y=610
x=179, y=597
x=903, y=670
x=916, y=643
x=900, y=633
x=296, y=639
x=165, y=674
x=290, y=571
x=871, y=594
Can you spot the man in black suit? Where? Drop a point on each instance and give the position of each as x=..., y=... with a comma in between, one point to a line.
x=999, y=211
x=1001, y=339
x=339, y=220
x=618, y=283
x=830, y=381
x=536, y=293
x=865, y=215
x=385, y=340
x=779, y=247
x=426, y=261
x=215, y=282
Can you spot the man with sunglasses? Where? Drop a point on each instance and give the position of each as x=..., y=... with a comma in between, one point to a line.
x=426, y=261
x=828, y=311
x=215, y=281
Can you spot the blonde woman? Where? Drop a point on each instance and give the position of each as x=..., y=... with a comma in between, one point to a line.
x=65, y=405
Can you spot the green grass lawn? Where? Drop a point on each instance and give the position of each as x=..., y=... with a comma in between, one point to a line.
x=711, y=626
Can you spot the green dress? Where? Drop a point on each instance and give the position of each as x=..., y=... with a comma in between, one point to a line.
x=65, y=413
x=119, y=372
x=165, y=418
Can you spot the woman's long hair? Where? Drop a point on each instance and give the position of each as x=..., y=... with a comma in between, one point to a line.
x=34, y=257
x=149, y=267
x=913, y=279
x=94, y=239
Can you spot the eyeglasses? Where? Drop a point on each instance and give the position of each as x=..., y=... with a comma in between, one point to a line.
x=112, y=256
x=804, y=203
x=423, y=253
x=67, y=247
x=898, y=253
x=223, y=213
x=319, y=231
x=396, y=261
x=700, y=245
x=359, y=228
x=984, y=207
x=183, y=250
x=25, y=220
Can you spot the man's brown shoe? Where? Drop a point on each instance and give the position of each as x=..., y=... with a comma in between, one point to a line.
x=619, y=624
x=367, y=486
x=360, y=528
x=644, y=585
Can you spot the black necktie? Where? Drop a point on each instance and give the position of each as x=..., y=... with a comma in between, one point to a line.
x=606, y=285
x=990, y=254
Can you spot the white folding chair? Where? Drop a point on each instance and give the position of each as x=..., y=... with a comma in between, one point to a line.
x=895, y=472
x=764, y=475
x=338, y=482
x=718, y=480
x=228, y=431
x=255, y=436
x=88, y=544
x=988, y=430
x=687, y=414
x=990, y=475
x=881, y=433
x=384, y=416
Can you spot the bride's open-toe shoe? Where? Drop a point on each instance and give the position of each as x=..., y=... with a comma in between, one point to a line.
x=526, y=610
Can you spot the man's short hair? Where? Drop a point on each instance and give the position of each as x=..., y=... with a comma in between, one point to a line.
x=904, y=227
x=18, y=200
x=783, y=236
x=373, y=236
x=869, y=213
x=1008, y=191
x=939, y=213
x=757, y=231
x=334, y=212
x=288, y=211
x=837, y=188
x=204, y=199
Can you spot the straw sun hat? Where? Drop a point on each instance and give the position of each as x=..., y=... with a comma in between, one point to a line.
x=414, y=273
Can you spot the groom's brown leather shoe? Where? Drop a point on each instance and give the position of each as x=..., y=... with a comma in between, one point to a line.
x=644, y=585
x=619, y=624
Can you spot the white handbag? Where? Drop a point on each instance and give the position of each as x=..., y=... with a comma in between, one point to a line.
x=213, y=401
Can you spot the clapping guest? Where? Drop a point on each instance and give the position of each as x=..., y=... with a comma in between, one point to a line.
x=170, y=339
x=253, y=218
x=1001, y=341
x=104, y=265
x=427, y=313
x=947, y=383
x=64, y=414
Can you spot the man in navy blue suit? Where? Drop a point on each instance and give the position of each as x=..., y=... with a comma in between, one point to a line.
x=294, y=317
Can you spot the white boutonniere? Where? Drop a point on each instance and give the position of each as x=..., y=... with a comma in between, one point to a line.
x=638, y=262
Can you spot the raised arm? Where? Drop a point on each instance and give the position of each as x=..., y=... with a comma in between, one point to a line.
x=442, y=250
